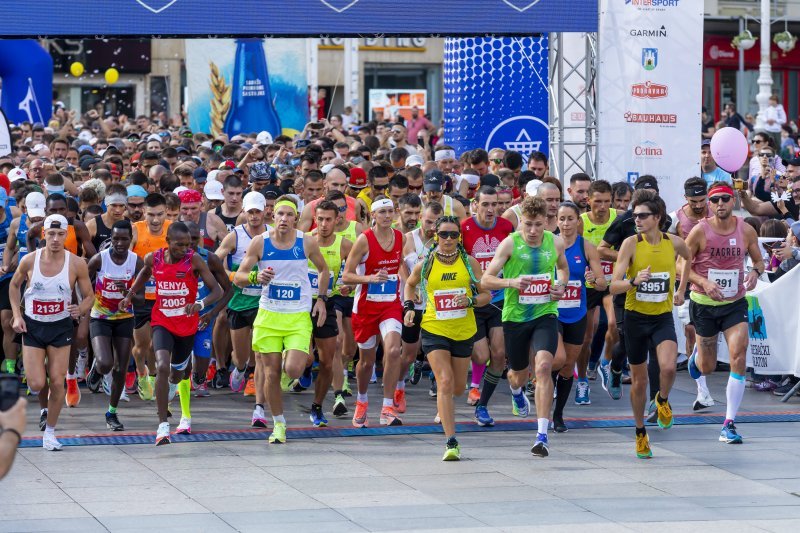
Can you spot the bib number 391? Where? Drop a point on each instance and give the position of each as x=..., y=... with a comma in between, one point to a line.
x=727, y=280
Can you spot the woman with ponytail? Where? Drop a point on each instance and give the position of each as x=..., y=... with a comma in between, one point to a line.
x=449, y=279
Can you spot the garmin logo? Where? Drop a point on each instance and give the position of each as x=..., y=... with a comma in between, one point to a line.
x=641, y=32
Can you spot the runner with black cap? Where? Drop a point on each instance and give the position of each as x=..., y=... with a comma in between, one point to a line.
x=433, y=188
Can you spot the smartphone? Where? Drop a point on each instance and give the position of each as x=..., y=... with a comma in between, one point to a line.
x=9, y=391
x=738, y=185
x=301, y=143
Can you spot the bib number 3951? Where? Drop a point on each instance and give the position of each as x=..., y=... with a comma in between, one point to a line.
x=538, y=290
x=654, y=290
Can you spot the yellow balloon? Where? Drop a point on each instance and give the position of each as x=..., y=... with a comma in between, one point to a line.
x=112, y=76
x=76, y=69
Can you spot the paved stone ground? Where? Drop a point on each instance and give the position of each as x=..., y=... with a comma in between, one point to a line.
x=591, y=482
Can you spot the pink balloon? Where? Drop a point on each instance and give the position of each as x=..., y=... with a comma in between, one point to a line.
x=729, y=149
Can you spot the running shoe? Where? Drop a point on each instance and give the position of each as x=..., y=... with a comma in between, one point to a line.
x=259, y=419
x=317, y=418
x=113, y=423
x=130, y=382
x=652, y=413
x=591, y=372
x=185, y=426
x=482, y=417
x=237, y=380
x=611, y=381
x=530, y=389
x=339, y=406
x=222, y=378
x=604, y=371
x=145, y=388
x=785, y=388
x=360, y=416
x=400, y=400
x=201, y=391
x=374, y=378
x=94, y=379
x=643, y=450
x=433, y=390
x=626, y=377
x=42, y=419
x=73, y=397
x=250, y=387
x=123, y=397
x=106, y=384
x=346, y=391
x=296, y=387
x=582, y=393
x=306, y=379
x=437, y=419
x=520, y=405
x=416, y=372
x=389, y=417
x=278, y=435
x=50, y=443
x=558, y=425
x=664, y=411
x=694, y=372
x=474, y=396
x=173, y=389
x=211, y=373
x=162, y=435
x=766, y=386
x=539, y=448
x=703, y=401
x=80, y=366
x=729, y=435
x=452, y=451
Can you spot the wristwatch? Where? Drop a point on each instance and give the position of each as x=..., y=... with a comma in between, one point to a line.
x=323, y=297
x=630, y=280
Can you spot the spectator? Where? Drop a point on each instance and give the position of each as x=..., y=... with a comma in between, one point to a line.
x=761, y=140
x=775, y=118
x=710, y=171
x=12, y=426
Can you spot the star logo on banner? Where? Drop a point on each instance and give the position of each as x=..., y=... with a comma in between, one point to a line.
x=521, y=5
x=156, y=6
x=340, y=6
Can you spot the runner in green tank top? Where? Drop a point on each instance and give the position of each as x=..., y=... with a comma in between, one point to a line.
x=528, y=259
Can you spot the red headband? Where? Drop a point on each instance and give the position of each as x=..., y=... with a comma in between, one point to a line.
x=190, y=197
x=721, y=189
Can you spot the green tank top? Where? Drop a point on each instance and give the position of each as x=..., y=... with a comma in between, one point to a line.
x=333, y=258
x=348, y=233
x=594, y=233
x=538, y=263
x=243, y=299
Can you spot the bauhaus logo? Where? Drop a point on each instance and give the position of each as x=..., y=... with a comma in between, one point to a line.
x=649, y=90
x=651, y=118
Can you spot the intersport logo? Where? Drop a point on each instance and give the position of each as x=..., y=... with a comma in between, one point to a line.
x=659, y=5
x=649, y=90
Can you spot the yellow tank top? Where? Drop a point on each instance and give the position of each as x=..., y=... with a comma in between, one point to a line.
x=594, y=233
x=364, y=195
x=652, y=297
x=441, y=316
x=349, y=232
x=333, y=258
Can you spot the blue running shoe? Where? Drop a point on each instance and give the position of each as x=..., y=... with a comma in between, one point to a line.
x=482, y=416
x=318, y=419
x=306, y=379
x=539, y=448
x=694, y=372
x=520, y=405
x=729, y=435
x=582, y=393
x=604, y=370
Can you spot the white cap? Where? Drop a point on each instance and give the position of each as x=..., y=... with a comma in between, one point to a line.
x=85, y=136
x=532, y=187
x=34, y=204
x=327, y=168
x=264, y=137
x=414, y=161
x=213, y=190
x=179, y=189
x=212, y=175
x=472, y=179
x=206, y=144
x=17, y=174
x=254, y=200
x=38, y=147
x=57, y=221
x=154, y=137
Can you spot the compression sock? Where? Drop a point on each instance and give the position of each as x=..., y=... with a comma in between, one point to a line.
x=477, y=375
x=111, y=409
x=185, y=391
x=490, y=380
x=563, y=388
x=733, y=393
x=10, y=365
x=543, y=423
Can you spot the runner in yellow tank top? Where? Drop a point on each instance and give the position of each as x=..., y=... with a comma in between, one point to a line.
x=647, y=259
x=451, y=282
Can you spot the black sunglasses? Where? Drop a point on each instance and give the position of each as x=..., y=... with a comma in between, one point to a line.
x=641, y=216
x=725, y=198
x=376, y=187
x=448, y=234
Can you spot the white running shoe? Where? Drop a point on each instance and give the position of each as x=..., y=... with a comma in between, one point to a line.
x=173, y=388
x=124, y=396
x=50, y=442
x=185, y=427
x=162, y=435
x=703, y=401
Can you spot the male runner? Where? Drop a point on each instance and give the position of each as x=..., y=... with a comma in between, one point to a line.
x=578, y=190
x=375, y=266
x=175, y=270
x=647, y=261
x=100, y=226
x=378, y=183
x=434, y=192
x=111, y=327
x=283, y=323
x=528, y=258
x=232, y=189
x=50, y=275
x=718, y=246
x=212, y=228
x=482, y=236
x=149, y=235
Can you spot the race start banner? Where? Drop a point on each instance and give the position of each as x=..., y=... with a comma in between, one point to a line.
x=259, y=18
x=649, y=92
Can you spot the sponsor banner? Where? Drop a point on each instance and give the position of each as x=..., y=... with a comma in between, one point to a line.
x=5, y=136
x=394, y=102
x=649, y=92
x=270, y=94
x=495, y=94
x=294, y=17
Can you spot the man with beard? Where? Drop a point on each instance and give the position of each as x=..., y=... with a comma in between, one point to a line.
x=579, y=190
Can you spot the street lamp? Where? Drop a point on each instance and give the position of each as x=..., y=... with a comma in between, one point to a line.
x=765, y=68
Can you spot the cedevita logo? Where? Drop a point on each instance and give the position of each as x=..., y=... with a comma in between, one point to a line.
x=649, y=90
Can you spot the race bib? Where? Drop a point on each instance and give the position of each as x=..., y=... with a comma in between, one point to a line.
x=484, y=258
x=538, y=292
x=655, y=290
x=111, y=287
x=150, y=287
x=2, y=250
x=383, y=292
x=446, y=306
x=48, y=308
x=283, y=291
x=313, y=277
x=572, y=295
x=608, y=269
x=252, y=290
x=728, y=281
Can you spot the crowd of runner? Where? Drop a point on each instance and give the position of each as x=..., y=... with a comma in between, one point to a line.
x=158, y=262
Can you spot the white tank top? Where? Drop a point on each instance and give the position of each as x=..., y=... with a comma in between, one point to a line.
x=106, y=288
x=290, y=289
x=46, y=299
